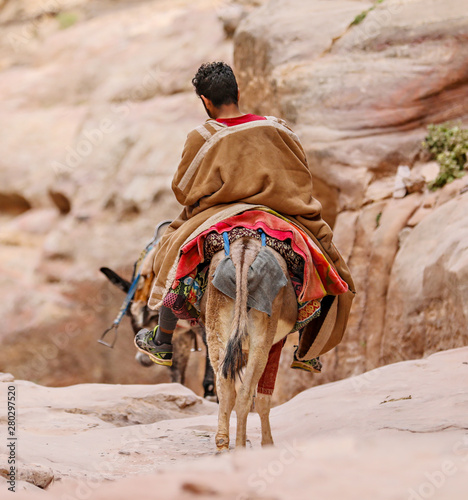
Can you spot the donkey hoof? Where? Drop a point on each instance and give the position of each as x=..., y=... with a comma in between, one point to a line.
x=222, y=443
x=143, y=359
x=209, y=393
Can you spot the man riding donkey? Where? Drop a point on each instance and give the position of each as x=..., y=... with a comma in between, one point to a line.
x=237, y=164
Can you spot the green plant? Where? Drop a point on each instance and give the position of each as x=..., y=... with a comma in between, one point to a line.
x=361, y=16
x=66, y=19
x=448, y=145
x=377, y=219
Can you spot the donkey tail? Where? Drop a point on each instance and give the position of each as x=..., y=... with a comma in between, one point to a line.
x=243, y=253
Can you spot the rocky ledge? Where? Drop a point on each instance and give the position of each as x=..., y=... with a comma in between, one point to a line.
x=399, y=431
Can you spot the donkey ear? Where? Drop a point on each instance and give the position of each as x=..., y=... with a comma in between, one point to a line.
x=114, y=278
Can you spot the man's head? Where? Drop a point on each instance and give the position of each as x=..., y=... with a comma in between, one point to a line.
x=215, y=82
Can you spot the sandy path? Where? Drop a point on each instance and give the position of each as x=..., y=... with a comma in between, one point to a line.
x=397, y=432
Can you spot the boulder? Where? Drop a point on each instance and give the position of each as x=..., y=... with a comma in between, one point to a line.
x=335, y=70
x=428, y=294
x=6, y=377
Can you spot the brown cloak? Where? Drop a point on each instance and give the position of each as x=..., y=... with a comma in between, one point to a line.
x=256, y=163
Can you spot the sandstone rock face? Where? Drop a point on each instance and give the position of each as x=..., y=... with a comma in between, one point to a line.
x=96, y=105
x=97, y=102
x=359, y=81
x=361, y=426
x=357, y=93
x=427, y=305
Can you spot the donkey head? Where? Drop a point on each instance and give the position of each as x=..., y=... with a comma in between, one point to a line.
x=138, y=312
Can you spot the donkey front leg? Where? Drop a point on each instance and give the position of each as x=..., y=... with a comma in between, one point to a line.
x=209, y=377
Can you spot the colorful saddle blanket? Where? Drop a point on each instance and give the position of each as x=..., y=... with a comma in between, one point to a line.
x=311, y=274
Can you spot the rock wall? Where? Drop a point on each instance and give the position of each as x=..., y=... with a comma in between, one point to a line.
x=359, y=81
x=429, y=285
x=97, y=103
x=358, y=95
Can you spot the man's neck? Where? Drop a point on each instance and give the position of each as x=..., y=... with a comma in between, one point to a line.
x=227, y=111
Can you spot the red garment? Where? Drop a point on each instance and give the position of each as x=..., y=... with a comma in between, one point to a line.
x=320, y=278
x=240, y=119
x=266, y=384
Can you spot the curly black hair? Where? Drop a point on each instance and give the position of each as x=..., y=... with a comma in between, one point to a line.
x=216, y=81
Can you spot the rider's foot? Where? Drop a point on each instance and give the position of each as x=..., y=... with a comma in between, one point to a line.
x=309, y=365
x=159, y=353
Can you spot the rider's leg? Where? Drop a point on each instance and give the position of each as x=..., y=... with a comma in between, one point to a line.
x=157, y=343
x=167, y=324
x=310, y=365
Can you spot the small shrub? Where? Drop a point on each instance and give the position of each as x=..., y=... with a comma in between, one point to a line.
x=360, y=17
x=448, y=145
x=67, y=19
x=377, y=219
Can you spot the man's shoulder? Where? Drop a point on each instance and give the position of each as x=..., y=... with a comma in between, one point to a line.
x=283, y=126
x=275, y=119
x=211, y=131
x=210, y=127
x=206, y=130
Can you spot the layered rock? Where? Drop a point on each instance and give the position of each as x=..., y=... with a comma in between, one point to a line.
x=97, y=103
x=358, y=93
x=364, y=427
x=359, y=81
x=427, y=307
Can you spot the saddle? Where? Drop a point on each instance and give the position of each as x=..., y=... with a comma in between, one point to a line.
x=311, y=275
x=323, y=298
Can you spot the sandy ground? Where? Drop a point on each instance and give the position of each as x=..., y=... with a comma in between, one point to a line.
x=397, y=432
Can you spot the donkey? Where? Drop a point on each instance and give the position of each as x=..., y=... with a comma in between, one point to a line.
x=232, y=329
x=185, y=337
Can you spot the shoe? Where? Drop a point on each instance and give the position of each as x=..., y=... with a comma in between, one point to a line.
x=308, y=365
x=145, y=342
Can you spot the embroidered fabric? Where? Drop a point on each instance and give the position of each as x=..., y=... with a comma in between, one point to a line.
x=185, y=294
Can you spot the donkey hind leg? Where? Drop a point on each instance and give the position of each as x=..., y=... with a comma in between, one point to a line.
x=227, y=388
x=261, y=334
x=218, y=324
x=263, y=405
